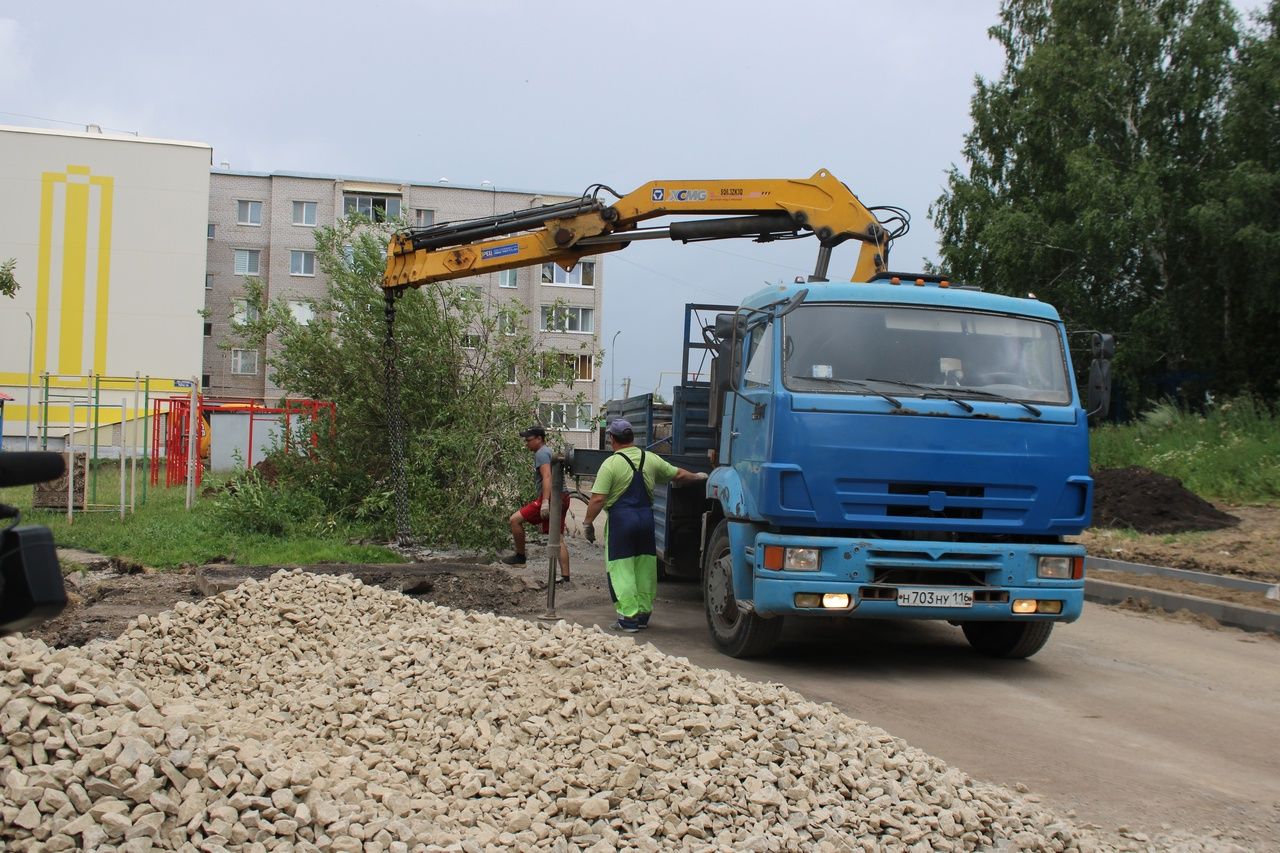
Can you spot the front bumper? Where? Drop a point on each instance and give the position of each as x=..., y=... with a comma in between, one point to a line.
x=870, y=571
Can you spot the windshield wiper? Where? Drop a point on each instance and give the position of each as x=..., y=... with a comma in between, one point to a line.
x=897, y=404
x=1004, y=397
x=930, y=391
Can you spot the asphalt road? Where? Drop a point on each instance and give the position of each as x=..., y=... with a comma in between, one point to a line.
x=1124, y=720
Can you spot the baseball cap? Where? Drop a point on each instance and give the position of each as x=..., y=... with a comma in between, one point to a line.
x=532, y=431
x=619, y=427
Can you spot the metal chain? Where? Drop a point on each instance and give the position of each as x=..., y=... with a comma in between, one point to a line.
x=395, y=423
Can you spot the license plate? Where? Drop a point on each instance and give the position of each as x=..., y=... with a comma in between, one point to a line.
x=924, y=597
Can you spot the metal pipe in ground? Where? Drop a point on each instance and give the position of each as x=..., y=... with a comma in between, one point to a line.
x=553, y=536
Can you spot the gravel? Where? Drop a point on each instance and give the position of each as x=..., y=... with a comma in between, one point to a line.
x=311, y=712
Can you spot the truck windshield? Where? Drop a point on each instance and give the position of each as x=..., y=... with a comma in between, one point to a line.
x=915, y=352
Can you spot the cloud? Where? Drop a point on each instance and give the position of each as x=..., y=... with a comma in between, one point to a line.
x=14, y=64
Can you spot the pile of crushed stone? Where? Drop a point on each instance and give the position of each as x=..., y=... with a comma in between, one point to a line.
x=312, y=712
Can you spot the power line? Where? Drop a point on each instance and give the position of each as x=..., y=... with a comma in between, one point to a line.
x=72, y=123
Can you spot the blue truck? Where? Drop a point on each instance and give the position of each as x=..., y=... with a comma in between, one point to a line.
x=892, y=447
x=903, y=448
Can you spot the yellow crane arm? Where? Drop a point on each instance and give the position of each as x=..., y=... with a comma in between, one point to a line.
x=763, y=209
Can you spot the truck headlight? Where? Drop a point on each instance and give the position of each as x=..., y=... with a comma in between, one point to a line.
x=1054, y=567
x=802, y=559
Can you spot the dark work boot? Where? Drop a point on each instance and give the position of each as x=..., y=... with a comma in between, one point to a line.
x=514, y=560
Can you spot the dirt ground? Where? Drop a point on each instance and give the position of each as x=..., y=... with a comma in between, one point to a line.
x=104, y=594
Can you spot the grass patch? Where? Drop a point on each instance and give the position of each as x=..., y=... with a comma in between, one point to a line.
x=1230, y=454
x=163, y=534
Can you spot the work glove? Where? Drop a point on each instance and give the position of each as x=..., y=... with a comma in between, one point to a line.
x=590, y=533
x=545, y=511
x=703, y=475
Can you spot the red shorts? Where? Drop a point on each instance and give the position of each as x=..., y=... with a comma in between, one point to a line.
x=532, y=514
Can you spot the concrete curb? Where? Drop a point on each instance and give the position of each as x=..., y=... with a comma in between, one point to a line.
x=1227, y=581
x=1235, y=615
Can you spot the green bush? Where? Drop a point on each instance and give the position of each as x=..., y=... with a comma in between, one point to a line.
x=247, y=502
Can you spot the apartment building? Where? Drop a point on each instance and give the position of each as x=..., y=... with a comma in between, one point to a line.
x=263, y=225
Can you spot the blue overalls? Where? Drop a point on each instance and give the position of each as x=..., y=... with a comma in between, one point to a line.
x=631, y=555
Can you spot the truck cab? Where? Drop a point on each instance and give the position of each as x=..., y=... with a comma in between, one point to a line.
x=903, y=448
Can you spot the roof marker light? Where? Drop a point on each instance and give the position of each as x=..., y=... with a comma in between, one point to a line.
x=944, y=283
x=895, y=280
x=919, y=282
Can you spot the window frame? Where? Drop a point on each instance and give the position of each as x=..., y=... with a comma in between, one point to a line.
x=237, y=362
x=315, y=212
x=372, y=214
x=255, y=254
x=305, y=255
x=421, y=213
x=577, y=272
x=243, y=312
x=294, y=304
x=249, y=221
x=547, y=410
x=547, y=312
x=512, y=274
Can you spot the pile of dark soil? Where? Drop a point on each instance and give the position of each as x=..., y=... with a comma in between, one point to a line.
x=1148, y=502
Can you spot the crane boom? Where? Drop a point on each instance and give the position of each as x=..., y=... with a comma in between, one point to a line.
x=763, y=209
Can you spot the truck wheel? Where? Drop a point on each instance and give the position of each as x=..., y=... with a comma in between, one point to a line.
x=1007, y=639
x=736, y=632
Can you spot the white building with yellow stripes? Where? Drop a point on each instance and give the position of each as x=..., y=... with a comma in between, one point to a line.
x=110, y=238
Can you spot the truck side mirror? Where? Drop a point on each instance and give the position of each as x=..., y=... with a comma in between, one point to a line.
x=1099, y=391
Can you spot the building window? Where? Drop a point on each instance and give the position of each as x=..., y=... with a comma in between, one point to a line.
x=567, y=318
x=583, y=275
x=302, y=262
x=379, y=208
x=304, y=213
x=506, y=323
x=244, y=362
x=247, y=261
x=470, y=341
x=302, y=312
x=570, y=416
x=511, y=374
x=508, y=278
x=423, y=217
x=242, y=312
x=567, y=366
x=208, y=330
x=211, y=230
x=208, y=281
x=204, y=380
x=248, y=212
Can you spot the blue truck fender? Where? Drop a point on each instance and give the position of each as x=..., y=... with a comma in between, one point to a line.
x=724, y=486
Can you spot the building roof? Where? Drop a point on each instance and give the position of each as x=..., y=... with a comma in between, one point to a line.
x=443, y=183
x=113, y=137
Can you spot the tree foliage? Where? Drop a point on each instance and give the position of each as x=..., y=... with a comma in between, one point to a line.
x=8, y=282
x=1123, y=167
x=457, y=354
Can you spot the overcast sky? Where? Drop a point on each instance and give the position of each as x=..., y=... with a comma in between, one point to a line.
x=542, y=96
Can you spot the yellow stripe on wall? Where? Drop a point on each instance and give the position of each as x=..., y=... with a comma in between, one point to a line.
x=75, y=249
x=44, y=268
x=106, y=187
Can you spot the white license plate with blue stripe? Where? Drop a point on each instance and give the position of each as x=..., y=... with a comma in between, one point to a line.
x=926, y=597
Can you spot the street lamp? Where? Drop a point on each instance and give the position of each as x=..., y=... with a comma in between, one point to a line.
x=613, y=359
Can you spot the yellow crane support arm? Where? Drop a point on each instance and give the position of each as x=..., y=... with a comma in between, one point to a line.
x=762, y=209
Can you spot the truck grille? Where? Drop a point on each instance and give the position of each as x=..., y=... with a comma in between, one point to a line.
x=868, y=499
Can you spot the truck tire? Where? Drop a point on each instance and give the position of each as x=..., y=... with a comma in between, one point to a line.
x=1007, y=639
x=735, y=631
